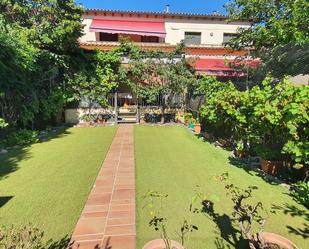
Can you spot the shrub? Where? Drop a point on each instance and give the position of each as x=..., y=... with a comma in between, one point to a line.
x=22, y=137
x=272, y=117
x=188, y=116
x=300, y=193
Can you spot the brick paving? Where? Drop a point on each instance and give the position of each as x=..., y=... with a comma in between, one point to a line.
x=108, y=218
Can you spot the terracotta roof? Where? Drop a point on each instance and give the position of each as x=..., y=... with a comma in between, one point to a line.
x=166, y=47
x=166, y=14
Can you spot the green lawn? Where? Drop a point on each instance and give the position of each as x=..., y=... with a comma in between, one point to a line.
x=173, y=161
x=47, y=184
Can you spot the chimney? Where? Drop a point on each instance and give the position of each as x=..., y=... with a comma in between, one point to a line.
x=167, y=8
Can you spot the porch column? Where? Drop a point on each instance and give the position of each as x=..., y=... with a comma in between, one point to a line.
x=116, y=107
x=137, y=110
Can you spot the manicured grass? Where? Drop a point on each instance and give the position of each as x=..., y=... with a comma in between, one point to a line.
x=48, y=183
x=173, y=161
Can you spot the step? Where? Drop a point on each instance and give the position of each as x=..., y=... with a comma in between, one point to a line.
x=127, y=120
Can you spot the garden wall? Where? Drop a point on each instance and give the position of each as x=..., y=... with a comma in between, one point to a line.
x=72, y=116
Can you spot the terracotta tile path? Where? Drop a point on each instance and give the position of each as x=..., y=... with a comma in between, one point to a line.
x=108, y=218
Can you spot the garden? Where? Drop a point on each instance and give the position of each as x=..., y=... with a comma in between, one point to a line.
x=232, y=173
x=45, y=185
x=189, y=173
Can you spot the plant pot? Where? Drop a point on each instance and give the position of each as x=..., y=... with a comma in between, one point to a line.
x=191, y=126
x=270, y=167
x=239, y=153
x=275, y=239
x=197, y=128
x=159, y=244
x=223, y=142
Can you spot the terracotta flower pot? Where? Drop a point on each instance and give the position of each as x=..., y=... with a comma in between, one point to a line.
x=159, y=244
x=275, y=239
x=239, y=153
x=197, y=128
x=270, y=167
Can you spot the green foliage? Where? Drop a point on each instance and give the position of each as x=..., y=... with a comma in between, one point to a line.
x=38, y=44
x=273, y=119
x=155, y=201
x=22, y=137
x=3, y=124
x=96, y=80
x=300, y=193
x=25, y=237
x=223, y=106
x=278, y=33
x=247, y=214
x=156, y=74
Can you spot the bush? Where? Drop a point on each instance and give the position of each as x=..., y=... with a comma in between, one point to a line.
x=274, y=118
x=300, y=193
x=156, y=118
x=22, y=137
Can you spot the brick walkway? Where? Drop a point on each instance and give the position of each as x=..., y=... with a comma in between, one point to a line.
x=108, y=218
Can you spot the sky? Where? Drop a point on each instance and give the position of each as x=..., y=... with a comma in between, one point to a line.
x=191, y=6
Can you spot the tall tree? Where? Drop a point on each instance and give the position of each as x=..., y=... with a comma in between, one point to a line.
x=279, y=33
x=38, y=41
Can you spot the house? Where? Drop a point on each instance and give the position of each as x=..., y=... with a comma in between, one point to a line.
x=203, y=34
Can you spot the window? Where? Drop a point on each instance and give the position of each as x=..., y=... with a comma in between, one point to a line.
x=193, y=38
x=227, y=37
x=108, y=37
x=154, y=39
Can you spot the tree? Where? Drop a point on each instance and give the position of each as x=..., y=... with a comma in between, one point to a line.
x=38, y=44
x=96, y=80
x=279, y=33
x=154, y=75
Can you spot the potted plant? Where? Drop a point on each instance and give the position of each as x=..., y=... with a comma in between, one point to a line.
x=159, y=222
x=270, y=159
x=251, y=222
x=197, y=127
x=191, y=123
x=239, y=150
x=187, y=118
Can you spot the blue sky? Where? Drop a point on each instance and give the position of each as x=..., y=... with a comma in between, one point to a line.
x=193, y=6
